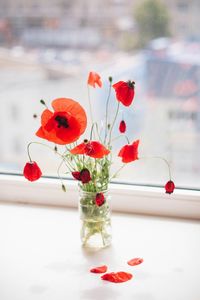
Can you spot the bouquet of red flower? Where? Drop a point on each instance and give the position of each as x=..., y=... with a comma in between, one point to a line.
x=89, y=161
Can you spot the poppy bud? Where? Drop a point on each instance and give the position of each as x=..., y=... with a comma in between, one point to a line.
x=122, y=126
x=99, y=199
x=42, y=102
x=31, y=171
x=169, y=187
x=63, y=188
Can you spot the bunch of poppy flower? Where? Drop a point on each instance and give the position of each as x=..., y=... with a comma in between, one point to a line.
x=89, y=160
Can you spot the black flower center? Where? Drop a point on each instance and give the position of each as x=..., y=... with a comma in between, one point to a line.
x=62, y=122
x=131, y=84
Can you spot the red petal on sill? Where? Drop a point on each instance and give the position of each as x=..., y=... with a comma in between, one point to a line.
x=117, y=277
x=135, y=261
x=101, y=269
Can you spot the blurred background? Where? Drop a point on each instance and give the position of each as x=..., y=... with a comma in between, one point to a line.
x=47, y=49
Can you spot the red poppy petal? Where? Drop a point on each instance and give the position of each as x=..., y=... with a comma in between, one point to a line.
x=73, y=108
x=80, y=149
x=117, y=277
x=118, y=84
x=70, y=134
x=49, y=136
x=124, y=92
x=101, y=269
x=129, y=153
x=93, y=79
x=135, y=261
x=98, y=150
x=46, y=116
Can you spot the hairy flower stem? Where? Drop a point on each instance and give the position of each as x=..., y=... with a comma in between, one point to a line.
x=38, y=143
x=113, y=123
x=107, y=102
x=117, y=172
x=97, y=130
x=161, y=158
x=90, y=106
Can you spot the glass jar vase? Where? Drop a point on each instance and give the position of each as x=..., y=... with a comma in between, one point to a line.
x=95, y=220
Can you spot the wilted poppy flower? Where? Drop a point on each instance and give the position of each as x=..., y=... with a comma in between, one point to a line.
x=129, y=153
x=99, y=199
x=135, y=261
x=65, y=125
x=31, y=171
x=93, y=149
x=125, y=92
x=122, y=126
x=83, y=175
x=169, y=187
x=117, y=277
x=101, y=269
x=94, y=79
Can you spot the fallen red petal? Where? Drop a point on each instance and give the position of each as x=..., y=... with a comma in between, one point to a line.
x=135, y=261
x=117, y=277
x=101, y=269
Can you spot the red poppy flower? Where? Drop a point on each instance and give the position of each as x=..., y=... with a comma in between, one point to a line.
x=93, y=149
x=125, y=92
x=31, y=171
x=94, y=79
x=129, y=153
x=122, y=126
x=101, y=269
x=169, y=187
x=135, y=261
x=117, y=277
x=83, y=175
x=99, y=199
x=65, y=125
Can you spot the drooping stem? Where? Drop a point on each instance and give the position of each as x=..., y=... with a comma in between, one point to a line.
x=58, y=171
x=28, y=149
x=161, y=158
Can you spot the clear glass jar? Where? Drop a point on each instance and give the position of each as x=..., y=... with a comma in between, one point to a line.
x=95, y=220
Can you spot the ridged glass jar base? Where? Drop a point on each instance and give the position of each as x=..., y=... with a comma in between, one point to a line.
x=95, y=221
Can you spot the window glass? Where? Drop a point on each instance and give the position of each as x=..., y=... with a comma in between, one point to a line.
x=47, y=49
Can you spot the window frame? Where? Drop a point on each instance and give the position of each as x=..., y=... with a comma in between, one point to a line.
x=126, y=198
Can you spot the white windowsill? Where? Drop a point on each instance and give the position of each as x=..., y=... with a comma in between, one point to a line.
x=41, y=257
x=124, y=198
